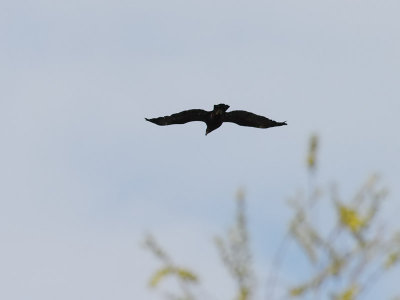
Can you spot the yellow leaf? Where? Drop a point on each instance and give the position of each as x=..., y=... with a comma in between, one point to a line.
x=392, y=259
x=159, y=275
x=350, y=218
x=298, y=291
x=180, y=272
x=311, y=160
x=336, y=266
x=312, y=152
x=186, y=275
x=243, y=294
x=349, y=294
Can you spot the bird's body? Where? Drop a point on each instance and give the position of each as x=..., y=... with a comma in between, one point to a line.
x=216, y=117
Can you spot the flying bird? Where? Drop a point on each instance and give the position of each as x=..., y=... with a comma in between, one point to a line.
x=216, y=117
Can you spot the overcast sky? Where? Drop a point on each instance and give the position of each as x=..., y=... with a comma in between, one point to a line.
x=83, y=177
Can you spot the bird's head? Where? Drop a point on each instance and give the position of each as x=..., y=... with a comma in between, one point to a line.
x=221, y=107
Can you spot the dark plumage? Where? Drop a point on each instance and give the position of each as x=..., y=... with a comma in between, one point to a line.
x=216, y=117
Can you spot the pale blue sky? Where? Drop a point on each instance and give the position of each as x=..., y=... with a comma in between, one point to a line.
x=83, y=176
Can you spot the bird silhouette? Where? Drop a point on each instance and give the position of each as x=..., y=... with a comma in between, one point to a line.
x=216, y=117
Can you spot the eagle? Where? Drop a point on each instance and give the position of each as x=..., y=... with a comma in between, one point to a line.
x=216, y=117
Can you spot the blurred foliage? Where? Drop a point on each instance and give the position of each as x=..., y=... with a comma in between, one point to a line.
x=184, y=277
x=354, y=246
x=347, y=253
x=312, y=152
x=235, y=252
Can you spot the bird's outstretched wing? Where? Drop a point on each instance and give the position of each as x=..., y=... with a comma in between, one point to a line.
x=181, y=117
x=244, y=118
